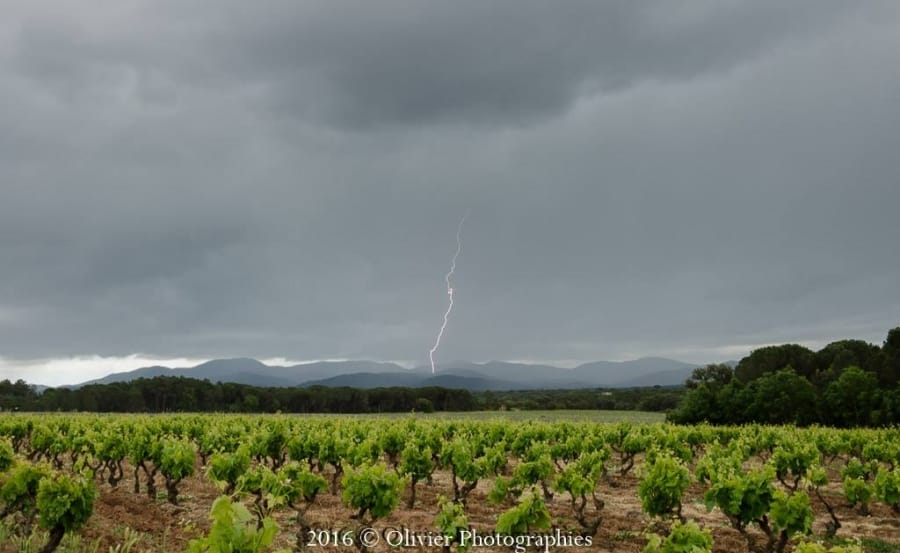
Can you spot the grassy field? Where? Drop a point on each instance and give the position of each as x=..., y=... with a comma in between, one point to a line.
x=574, y=415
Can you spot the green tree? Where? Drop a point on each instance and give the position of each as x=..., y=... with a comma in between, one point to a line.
x=424, y=405
x=851, y=399
x=703, y=401
x=890, y=372
x=839, y=355
x=781, y=397
x=773, y=358
x=714, y=375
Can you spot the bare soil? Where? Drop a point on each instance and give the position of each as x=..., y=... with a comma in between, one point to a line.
x=164, y=527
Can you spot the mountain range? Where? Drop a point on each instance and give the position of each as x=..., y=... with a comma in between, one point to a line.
x=493, y=375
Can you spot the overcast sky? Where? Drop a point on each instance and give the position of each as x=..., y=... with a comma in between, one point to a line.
x=191, y=180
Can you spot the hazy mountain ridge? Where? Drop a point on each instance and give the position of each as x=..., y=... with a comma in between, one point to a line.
x=250, y=371
x=493, y=375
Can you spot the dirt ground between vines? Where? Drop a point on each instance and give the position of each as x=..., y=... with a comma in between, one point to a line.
x=163, y=527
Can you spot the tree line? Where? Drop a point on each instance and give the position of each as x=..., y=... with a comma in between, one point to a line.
x=847, y=383
x=655, y=398
x=180, y=394
x=164, y=394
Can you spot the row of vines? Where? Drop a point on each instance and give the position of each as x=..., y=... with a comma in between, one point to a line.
x=763, y=480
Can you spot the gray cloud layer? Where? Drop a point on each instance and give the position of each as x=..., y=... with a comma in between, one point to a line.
x=233, y=178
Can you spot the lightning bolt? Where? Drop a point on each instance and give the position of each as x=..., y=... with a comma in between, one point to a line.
x=437, y=342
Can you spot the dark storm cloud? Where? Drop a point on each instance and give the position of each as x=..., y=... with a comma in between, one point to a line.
x=231, y=178
x=360, y=64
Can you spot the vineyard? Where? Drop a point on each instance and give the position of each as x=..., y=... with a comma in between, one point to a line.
x=278, y=483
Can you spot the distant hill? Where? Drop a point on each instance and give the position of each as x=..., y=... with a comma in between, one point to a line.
x=413, y=379
x=405, y=379
x=146, y=372
x=250, y=371
x=621, y=374
x=493, y=375
x=672, y=377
